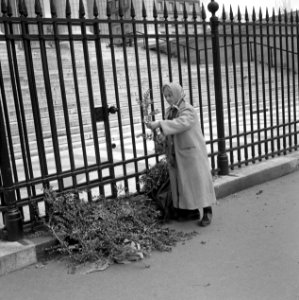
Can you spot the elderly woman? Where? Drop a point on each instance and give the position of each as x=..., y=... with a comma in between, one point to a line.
x=189, y=169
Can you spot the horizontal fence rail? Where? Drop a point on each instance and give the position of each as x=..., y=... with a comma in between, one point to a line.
x=70, y=92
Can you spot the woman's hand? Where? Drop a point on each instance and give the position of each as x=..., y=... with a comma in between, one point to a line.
x=153, y=125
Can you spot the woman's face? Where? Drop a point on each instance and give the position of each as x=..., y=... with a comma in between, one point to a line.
x=169, y=96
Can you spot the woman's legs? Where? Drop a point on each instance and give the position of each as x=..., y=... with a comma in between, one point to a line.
x=207, y=217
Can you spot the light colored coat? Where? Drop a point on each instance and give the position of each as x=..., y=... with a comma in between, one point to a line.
x=191, y=180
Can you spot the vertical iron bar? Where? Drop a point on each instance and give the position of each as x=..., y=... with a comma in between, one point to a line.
x=282, y=82
x=64, y=100
x=91, y=102
x=232, y=25
x=294, y=79
x=196, y=37
x=288, y=80
x=249, y=59
x=102, y=84
x=263, y=85
x=222, y=156
x=78, y=102
x=168, y=45
x=13, y=219
x=227, y=81
x=34, y=101
x=276, y=85
x=175, y=15
x=158, y=58
x=47, y=82
x=242, y=87
x=186, y=23
x=128, y=86
x=270, y=84
x=205, y=37
x=257, y=86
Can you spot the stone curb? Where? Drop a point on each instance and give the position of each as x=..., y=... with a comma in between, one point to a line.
x=17, y=255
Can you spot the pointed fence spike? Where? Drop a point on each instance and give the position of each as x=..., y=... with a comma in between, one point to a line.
x=120, y=9
x=260, y=15
x=253, y=17
x=3, y=7
x=285, y=16
x=81, y=9
x=231, y=14
x=223, y=13
x=297, y=16
x=185, y=13
x=38, y=9
x=175, y=11
x=9, y=8
x=155, y=13
x=95, y=9
x=144, y=14
x=194, y=12
x=68, y=10
x=267, y=15
x=165, y=10
x=108, y=9
x=279, y=16
x=239, y=14
x=292, y=16
x=20, y=8
x=203, y=12
x=133, y=14
x=53, y=9
x=25, y=10
x=246, y=14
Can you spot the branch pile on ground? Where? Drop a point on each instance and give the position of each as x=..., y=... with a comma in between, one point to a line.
x=114, y=230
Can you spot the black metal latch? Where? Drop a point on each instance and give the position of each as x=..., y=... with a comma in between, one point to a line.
x=100, y=112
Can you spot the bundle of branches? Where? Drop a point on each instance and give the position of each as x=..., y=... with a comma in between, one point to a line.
x=114, y=230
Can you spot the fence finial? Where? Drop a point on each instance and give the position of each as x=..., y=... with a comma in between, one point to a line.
x=223, y=13
x=81, y=9
x=165, y=10
x=53, y=9
x=231, y=14
x=144, y=14
x=95, y=9
x=213, y=7
x=175, y=11
x=108, y=9
x=133, y=14
x=68, y=11
x=194, y=12
x=185, y=13
x=253, y=16
x=38, y=9
x=25, y=11
x=267, y=15
x=203, y=12
x=246, y=14
x=9, y=8
x=120, y=9
x=260, y=15
x=279, y=16
x=292, y=16
x=273, y=15
x=3, y=7
x=155, y=14
x=297, y=16
x=239, y=14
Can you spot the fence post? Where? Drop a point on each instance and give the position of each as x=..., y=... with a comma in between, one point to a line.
x=12, y=216
x=222, y=159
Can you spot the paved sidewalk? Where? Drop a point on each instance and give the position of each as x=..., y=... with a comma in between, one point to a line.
x=253, y=240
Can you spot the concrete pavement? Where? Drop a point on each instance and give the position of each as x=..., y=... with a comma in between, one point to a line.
x=251, y=250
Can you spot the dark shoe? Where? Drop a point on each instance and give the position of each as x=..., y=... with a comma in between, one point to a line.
x=207, y=217
x=189, y=215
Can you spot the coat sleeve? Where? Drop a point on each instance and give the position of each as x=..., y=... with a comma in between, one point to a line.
x=183, y=122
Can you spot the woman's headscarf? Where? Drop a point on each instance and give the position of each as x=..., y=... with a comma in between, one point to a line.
x=176, y=90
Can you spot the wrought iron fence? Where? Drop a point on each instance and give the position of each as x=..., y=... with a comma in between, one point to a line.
x=69, y=113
